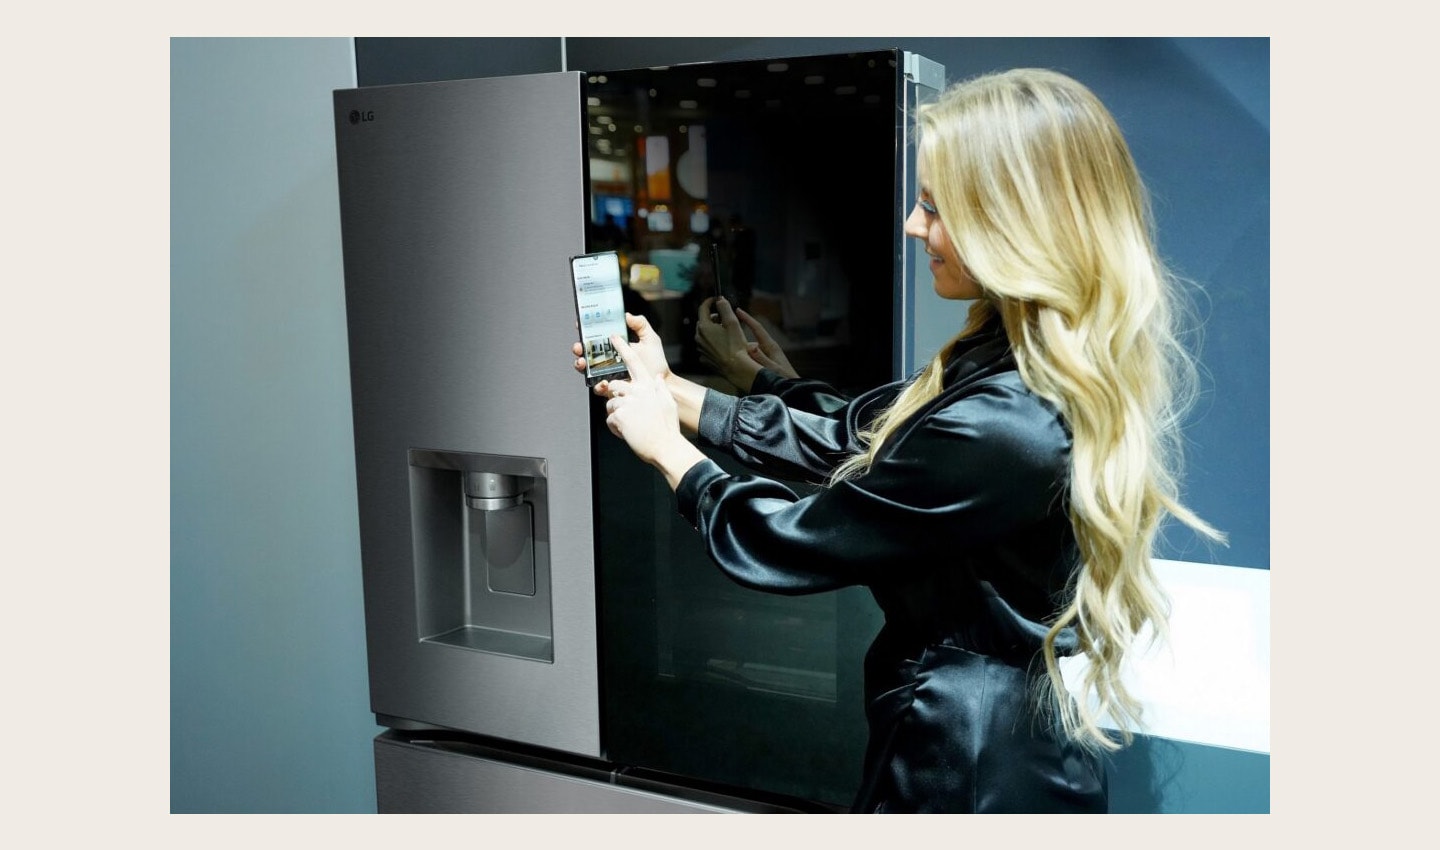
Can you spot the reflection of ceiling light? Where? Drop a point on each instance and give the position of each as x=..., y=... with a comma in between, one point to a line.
x=814, y=80
x=688, y=104
x=639, y=129
x=844, y=89
x=652, y=92
x=684, y=128
x=773, y=104
x=592, y=79
x=595, y=130
x=742, y=93
x=872, y=98
x=592, y=101
x=777, y=67
x=601, y=78
x=705, y=83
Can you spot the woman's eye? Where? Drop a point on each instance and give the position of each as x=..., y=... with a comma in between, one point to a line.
x=927, y=206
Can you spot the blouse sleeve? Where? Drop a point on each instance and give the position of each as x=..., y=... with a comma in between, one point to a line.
x=971, y=472
x=805, y=394
x=765, y=433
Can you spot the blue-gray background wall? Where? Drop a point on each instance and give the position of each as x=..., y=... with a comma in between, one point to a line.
x=269, y=706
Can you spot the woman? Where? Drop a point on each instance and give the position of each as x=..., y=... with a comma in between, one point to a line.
x=1000, y=506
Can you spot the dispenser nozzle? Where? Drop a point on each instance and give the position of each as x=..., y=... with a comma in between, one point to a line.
x=492, y=491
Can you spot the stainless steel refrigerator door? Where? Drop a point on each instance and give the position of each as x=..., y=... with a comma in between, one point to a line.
x=460, y=204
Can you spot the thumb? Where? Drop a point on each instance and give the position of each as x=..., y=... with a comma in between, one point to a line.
x=727, y=313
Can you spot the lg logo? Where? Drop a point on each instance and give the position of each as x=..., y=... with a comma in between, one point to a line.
x=356, y=116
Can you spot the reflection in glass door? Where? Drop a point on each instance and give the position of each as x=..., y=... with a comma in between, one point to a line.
x=787, y=172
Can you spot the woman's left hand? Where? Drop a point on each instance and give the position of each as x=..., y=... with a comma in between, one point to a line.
x=642, y=412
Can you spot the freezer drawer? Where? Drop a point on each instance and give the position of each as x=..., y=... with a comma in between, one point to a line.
x=424, y=776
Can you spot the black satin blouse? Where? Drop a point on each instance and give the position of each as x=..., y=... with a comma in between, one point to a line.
x=960, y=532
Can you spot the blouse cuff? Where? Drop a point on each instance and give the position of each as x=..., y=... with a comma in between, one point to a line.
x=717, y=412
x=691, y=492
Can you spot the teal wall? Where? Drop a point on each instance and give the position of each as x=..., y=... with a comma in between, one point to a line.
x=269, y=705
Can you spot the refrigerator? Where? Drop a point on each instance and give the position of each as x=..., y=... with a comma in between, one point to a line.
x=544, y=632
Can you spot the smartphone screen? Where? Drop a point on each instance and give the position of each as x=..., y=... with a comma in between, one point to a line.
x=600, y=307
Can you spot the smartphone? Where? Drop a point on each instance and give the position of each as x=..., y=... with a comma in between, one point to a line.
x=600, y=309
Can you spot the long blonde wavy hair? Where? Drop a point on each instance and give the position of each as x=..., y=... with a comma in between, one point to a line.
x=1038, y=192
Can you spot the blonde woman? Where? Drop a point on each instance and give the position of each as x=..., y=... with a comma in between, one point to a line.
x=1001, y=505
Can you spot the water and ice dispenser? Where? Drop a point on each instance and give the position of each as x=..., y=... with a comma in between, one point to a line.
x=479, y=525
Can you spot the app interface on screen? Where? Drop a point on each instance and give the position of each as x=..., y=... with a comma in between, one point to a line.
x=602, y=310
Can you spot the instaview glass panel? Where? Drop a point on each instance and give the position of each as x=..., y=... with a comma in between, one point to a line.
x=782, y=174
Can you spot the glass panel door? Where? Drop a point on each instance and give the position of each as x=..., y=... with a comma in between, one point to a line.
x=787, y=171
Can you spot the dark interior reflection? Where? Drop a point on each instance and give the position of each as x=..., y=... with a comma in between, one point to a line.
x=780, y=164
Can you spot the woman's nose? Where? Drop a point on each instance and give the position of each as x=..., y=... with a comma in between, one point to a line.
x=915, y=223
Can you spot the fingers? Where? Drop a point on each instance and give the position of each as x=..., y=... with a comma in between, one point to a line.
x=718, y=309
x=579, y=351
x=755, y=327
x=633, y=362
x=758, y=355
x=706, y=311
x=727, y=313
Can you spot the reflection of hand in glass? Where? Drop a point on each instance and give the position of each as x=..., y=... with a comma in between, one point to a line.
x=766, y=351
x=725, y=348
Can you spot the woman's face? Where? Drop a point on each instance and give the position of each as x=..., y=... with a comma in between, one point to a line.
x=952, y=278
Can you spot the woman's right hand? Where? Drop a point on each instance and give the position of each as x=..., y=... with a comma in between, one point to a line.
x=688, y=396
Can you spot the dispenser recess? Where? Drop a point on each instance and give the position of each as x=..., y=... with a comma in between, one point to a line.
x=480, y=529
